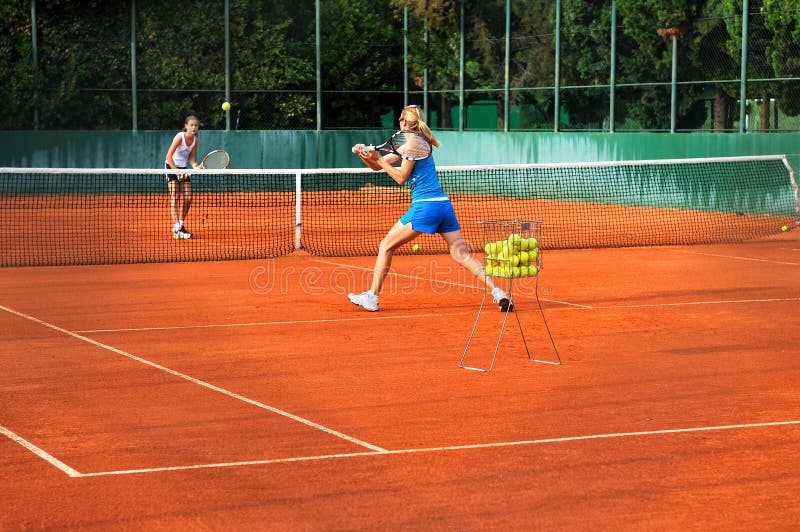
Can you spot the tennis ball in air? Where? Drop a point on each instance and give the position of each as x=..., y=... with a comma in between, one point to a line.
x=226, y=106
x=784, y=228
x=416, y=247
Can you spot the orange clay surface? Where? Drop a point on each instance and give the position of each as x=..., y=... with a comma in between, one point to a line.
x=252, y=395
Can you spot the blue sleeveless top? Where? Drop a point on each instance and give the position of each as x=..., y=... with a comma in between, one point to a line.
x=424, y=181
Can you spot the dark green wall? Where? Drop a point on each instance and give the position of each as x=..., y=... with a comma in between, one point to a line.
x=326, y=149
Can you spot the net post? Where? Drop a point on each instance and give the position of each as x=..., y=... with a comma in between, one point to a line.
x=298, y=221
x=511, y=252
x=793, y=183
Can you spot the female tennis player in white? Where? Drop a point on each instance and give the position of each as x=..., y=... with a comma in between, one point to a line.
x=179, y=156
x=431, y=212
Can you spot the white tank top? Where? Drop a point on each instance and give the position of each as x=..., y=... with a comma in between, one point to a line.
x=182, y=152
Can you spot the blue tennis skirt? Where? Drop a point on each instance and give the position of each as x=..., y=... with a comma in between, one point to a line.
x=431, y=217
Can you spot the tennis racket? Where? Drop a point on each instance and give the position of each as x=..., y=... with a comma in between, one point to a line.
x=407, y=144
x=216, y=160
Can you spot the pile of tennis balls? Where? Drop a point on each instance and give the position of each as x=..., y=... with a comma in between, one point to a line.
x=514, y=257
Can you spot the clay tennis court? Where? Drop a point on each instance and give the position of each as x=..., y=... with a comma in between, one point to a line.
x=253, y=395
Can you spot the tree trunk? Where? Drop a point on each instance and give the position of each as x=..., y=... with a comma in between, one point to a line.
x=501, y=112
x=720, y=110
x=444, y=120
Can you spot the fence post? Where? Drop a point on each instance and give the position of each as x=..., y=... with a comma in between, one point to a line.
x=612, y=84
x=557, y=84
x=743, y=81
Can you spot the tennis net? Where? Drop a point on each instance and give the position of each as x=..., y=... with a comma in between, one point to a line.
x=52, y=216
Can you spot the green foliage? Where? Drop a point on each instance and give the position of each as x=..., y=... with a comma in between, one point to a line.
x=782, y=19
x=83, y=76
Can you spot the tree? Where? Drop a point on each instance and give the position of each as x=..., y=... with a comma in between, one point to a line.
x=646, y=55
x=782, y=19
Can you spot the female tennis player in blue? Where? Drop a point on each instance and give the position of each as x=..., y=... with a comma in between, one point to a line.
x=431, y=211
x=179, y=156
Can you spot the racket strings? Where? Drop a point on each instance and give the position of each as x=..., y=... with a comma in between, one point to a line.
x=413, y=147
x=216, y=160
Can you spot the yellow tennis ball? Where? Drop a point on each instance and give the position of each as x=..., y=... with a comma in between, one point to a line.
x=532, y=243
x=489, y=270
x=784, y=228
x=523, y=244
x=514, y=260
x=532, y=270
x=524, y=257
x=416, y=247
x=226, y=106
x=523, y=271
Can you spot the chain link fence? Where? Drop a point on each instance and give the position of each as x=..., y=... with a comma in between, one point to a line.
x=589, y=67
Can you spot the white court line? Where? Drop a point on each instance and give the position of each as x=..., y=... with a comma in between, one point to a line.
x=260, y=323
x=438, y=281
x=199, y=382
x=685, y=303
x=440, y=449
x=47, y=457
x=736, y=257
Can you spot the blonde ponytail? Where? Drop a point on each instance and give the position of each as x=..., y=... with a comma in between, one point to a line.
x=415, y=119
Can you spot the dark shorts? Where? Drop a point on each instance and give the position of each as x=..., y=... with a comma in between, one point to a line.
x=431, y=217
x=174, y=177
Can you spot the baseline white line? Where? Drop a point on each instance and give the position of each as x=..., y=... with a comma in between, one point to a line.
x=204, y=384
x=476, y=287
x=47, y=457
x=264, y=323
x=442, y=449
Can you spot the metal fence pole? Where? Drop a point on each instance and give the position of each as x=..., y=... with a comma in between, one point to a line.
x=134, y=87
x=35, y=53
x=506, y=91
x=743, y=81
x=425, y=71
x=319, y=63
x=461, y=112
x=612, y=78
x=227, y=61
x=557, y=84
x=673, y=100
x=405, y=56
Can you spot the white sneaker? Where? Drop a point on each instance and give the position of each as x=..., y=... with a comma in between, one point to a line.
x=181, y=234
x=502, y=300
x=367, y=299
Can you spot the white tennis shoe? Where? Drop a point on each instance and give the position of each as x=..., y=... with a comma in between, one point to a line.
x=502, y=300
x=367, y=299
x=181, y=234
